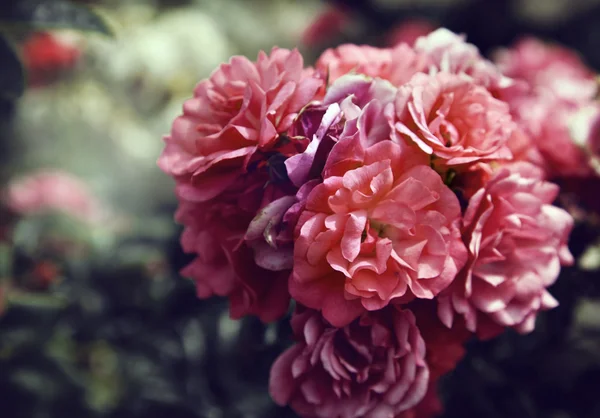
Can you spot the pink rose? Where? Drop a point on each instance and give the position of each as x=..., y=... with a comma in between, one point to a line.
x=239, y=111
x=545, y=119
x=380, y=228
x=47, y=191
x=318, y=126
x=449, y=52
x=517, y=242
x=559, y=85
x=445, y=347
x=373, y=367
x=225, y=264
x=453, y=119
x=523, y=148
x=270, y=237
x=551, y=67
x=397, y=64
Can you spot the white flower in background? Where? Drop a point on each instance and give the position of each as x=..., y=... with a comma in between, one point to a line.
x=257, y=25
x=151, y=62
x=584, y=127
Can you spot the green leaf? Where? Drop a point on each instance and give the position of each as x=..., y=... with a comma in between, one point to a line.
x=12, y=76
x=51, y=14
x=36, y=300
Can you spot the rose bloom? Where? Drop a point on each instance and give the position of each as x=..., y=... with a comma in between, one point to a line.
x=517, y=243
x=53, y=190
x=397, y=64
x=373, y=367
x=444, y=348
x=224, y=264
x=551, y=67
x=380, y=228
x=239, y=111
x=453, y=119
x=546, y=120
x=559, y=85
x=448, y=52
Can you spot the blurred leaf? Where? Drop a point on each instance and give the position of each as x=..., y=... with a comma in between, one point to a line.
x=12, y=81
x=6, y=256
x=37, y=300
x=51, y=14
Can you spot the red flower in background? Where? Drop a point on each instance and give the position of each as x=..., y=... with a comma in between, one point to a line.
x=46, y=57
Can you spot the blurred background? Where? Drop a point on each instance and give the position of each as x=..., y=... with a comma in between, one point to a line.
x=95, y=320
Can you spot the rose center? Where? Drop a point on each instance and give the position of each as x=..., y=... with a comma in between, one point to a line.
x=449, y=133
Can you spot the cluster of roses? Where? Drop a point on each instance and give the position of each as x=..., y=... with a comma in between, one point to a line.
x=399, y=195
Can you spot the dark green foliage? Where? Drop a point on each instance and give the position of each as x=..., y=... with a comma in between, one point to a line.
x=12, y=80
x=50, y=14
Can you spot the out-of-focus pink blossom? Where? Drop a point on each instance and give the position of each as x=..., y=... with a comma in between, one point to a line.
x=548, y=66
x=240, y=111
x=327, y=26
x=545, y=119
x=517, y=243
x=453, y=119
x=409, y=31
x=373, y=367
x=53, y=191
x=558, y=86
x=381, y=228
